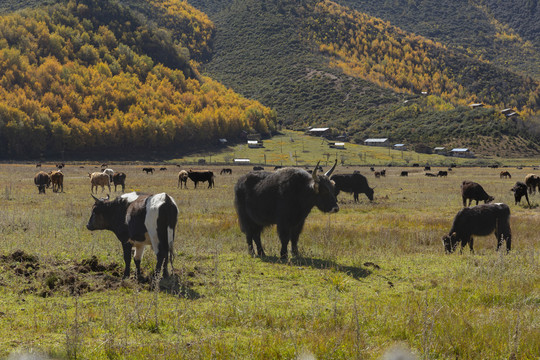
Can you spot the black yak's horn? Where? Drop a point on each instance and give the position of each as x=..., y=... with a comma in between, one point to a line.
x=329, y=172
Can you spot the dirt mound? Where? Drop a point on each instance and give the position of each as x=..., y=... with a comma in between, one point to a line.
x=68, y=278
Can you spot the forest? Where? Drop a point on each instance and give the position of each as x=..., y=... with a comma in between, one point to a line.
x=90, y=76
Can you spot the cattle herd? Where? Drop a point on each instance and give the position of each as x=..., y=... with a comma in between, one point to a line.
x=284, y=197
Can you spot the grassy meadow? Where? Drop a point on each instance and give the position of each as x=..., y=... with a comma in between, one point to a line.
x=373, y=280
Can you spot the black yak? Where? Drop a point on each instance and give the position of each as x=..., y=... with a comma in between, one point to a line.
x=284, y=197
x=479, y=220
x=520, y=190
x=474, y=191
x=355, y=183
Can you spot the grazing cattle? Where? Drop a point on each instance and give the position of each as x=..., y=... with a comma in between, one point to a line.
x=427, y=168
x=258, y=168
x=38, y=165
x=57, y=179
x=109, y=172
x=532, y=181
x=355, y=183
x=277, y=167
x=372, y=168
x=480, y=220
x=138, y=220
x=42, y=181
x=442, y=173
x=182, y=179
x=60, y=165
x=163, y=169
x=494, y=166
x=383, y=172
x=104, y=166
x=431, y=174
x=226, y=171
x=201, y=175
x=99, y=179
x=404, y=173
x=284, y=197
x=474, y=191
x=149, y=170
x=505, y=175
x=377, y=174
x=520, y=190
x=119, y=178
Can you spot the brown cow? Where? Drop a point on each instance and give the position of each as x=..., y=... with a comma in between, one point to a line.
x=505, y=175
x=532, y=181
x=57, y=178
x=99, y=179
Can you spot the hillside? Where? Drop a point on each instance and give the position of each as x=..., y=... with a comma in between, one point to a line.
x=502, y=32
x=93, y=77
x=307, y=59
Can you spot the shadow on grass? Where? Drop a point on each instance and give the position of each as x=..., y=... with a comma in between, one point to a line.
x=356, y=272
x=174, y=285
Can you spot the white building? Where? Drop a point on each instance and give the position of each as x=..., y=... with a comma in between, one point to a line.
x=376, y=142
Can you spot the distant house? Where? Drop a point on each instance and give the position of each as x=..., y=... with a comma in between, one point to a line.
x=255, y=136
x=401, y=147
x=508, y=112
x=255, y=144
x=376, y=142
x=337, y=145
x=242, y=161
x=476, y=105
x=319, y=131
x=439, y=150
x=462, y=152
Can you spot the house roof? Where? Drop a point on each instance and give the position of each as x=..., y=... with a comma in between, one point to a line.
x=399, y=145
x=460, y=150
x=439, y=148
x=376, y=140
x=242, y=160
x=319, y=129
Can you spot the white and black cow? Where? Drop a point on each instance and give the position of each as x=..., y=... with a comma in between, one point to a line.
x=138, y=220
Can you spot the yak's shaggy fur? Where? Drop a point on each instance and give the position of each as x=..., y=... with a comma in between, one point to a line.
x=480, y=220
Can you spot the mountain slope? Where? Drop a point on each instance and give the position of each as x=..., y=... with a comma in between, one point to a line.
x=503, y=32
x=271, y=51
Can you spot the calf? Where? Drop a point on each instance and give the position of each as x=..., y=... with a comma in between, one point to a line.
x=480, y=220
x=148, y=170
x=99, y=179
x=520, y=190
x=182, y=179
x=57, y=179
x=226, y=171
x=42, y=181
x=442, y=173
x=119, y=178
x=430, y=174
x=474, y=191
x=404, y=173
x=138, y=220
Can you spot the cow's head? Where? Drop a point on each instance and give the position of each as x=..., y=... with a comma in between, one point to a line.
x=450, y=242
x=370, y=192
x=325, y=191
x=489, y=199
x=99, y=219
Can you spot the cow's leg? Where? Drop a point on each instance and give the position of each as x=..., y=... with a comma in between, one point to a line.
x=284, y=234
x=163, y=248
x=355, y=197
x=109, y=187
x=527, y=198
x=126, y=247
x=139, y=251
x=471, y=240
x=295, y=234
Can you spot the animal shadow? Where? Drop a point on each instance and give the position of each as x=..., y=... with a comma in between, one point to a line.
x=174, y=285
x=356, y=272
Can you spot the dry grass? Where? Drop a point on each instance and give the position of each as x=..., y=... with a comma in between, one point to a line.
x=373, y=276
